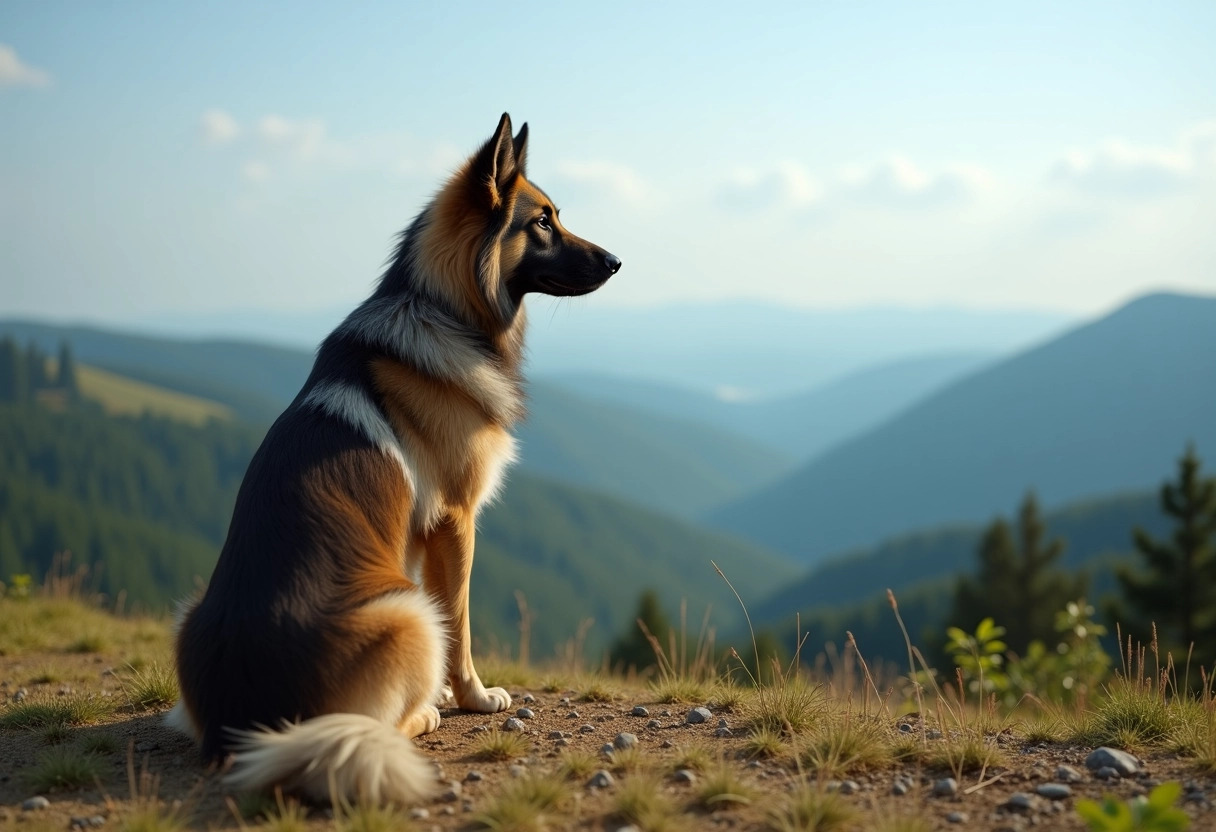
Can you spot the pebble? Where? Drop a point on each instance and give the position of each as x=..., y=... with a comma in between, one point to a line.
x=572, y=715
x=1053, y=791
x=850, y=787
x=1120, y=761
x=146, y=746
x=684, y=776
x=565, y=700
x=35, y=803
x=528, y=699
x=607, y=748
x=563, y=743
x=517, y=770
x=957, y=817
x=97, y=820
x=638, y=710
x=473, y=776
x=664, y=712
x=666, y=744
x=446, y=810
x=477, y=729
x=452, y=793
x=20, y=694
x=697, y=715
x=899, y=788
x=418, y=813
x=587, y=729
x=722, y=723
x=601, y=780
x=513, y=724
x=625, y=740
x=525, y=713
x=723, y=732
x=1107, y=773
x=654, y=723
x=946, y=787
x=556, y=735
x=1068, y=774
x=1020, y=802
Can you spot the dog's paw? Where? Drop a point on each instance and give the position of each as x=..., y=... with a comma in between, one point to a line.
x=446, y=698
x=485, y=700
x=422, y=721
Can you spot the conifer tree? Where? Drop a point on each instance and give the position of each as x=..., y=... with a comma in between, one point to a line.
x=12, y=373
x=1017, y=584
x=65, y=378
x=35, y=369
x=633, y=649
x=1177, y=589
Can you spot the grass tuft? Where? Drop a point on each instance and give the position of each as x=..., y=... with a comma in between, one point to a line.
x=845, y=744
x=790, y=705
x=286, y=816
x=628, y=760
x=92, y=643
x=763, y=743
x=76, y=709
x=693, y=758
x=576, y=765
x=640, y=801
x=522, y=804
x=155, y=686
x=55, y=734
x=679, y=690
x=1131, y=715
x=967, y=752
x=363, y=817
x=807, y=809
x=62, y=767
x=722, y=787
x=502, y=745
x=100, y=743
x=599, y=689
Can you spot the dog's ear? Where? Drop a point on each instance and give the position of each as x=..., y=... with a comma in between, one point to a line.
x=521, y=149
x=495, y=164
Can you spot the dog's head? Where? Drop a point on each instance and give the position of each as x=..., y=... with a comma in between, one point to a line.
x=491, y=236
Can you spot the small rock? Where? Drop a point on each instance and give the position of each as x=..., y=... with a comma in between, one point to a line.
x=625, y=740
x=654, y=723
x=513, y=724
x=850, y=787
x=473, y=776
x=525, y=713
x=447, y=810
x=723, y=732
x=722, y=723
x=478, y=729
x=832, y=786
x=946, y=787
x=627, y=828
x=556, y=735
x=664, y=712
x=418, y=813
x=899, y=788
x=97, y=820
x=572, y=715
x=1068, y=774
x=77, y=822
x=666, y=744
x=1020, y=802
x=638, y=710
x=565, y=700
x=607, y=748
x=517, y=770
x=1107, y=773
x=528, y=699
x=601, y=780
x=1053, y=791
x=35, y=803
x=697, y=715
x=452, y=793
x=563, y=743
x=1120, y=761
x=587, y=729
x=957, y=817
x=684, y=776
x=146, y=746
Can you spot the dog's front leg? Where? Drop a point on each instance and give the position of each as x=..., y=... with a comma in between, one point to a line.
x=446, y=570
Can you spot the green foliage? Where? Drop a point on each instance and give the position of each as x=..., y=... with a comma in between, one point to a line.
x=62, y=767
x=19, y=587
x=981, y=657
x=1017, y=583
x=1177, y=590
x=1155, y=813
x=633, y=649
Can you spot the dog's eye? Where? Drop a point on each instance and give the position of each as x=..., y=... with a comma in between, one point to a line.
x=542, y=222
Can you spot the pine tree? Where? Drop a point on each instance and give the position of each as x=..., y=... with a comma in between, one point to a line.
x=633, y=649
x=65, y=378
x=12, y=373
x=1177, y=590
x=1017, y=584
x=35, y=369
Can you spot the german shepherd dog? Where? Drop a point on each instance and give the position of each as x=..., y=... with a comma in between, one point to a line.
x=339, y=607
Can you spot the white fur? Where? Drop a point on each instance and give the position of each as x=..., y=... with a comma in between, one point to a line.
x=351, y=756
x=496, y=472
x=179, y=720
x=359, y=755
x=352, y=405
x=432, y=341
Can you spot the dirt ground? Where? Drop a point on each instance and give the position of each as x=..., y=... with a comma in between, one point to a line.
x=199, y=797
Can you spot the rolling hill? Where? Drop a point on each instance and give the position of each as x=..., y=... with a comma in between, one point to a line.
x=674, y=466
x=803, y=425
x=1105, y=408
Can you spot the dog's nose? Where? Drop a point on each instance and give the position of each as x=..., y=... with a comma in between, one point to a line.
x=612, y=262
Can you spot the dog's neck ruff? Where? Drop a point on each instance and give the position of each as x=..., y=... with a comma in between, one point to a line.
x=421, y=334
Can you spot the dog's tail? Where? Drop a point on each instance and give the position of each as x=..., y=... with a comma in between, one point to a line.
x=347, y=756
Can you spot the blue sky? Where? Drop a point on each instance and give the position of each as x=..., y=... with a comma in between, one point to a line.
x=163, y=159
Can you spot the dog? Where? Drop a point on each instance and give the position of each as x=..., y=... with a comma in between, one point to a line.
x=339, y=607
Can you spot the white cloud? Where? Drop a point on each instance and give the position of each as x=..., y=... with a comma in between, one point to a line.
x=15, y=73
x=305, y=139
x=786, y=185
x=256, y=171
x=620, y=180
x=898, y=181
x=1118, y=167
x=219, y=127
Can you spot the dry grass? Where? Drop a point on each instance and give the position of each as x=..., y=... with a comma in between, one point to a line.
x=722, y=787
x=63, y=767
x=763, y=743
x=693, y=758
x=576, y=765
x=808, y=809
x=843, y=744
x=75, y=709
x=523, y=804
x=502, y=745
x=640, y=801
x=155, y=686
x=363, y=817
